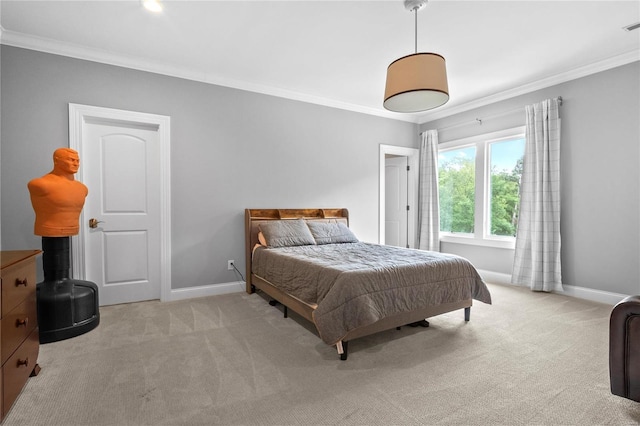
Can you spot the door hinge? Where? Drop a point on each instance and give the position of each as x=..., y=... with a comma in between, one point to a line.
x=407, y=208
x=408, y=168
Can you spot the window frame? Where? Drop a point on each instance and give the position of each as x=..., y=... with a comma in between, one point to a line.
x=481, y=235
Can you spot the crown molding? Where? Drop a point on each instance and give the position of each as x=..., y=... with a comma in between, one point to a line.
x=26, y=41
x=596, y=67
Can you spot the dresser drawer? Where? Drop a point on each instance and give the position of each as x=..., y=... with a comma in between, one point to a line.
x=17, y=369
x=17, y=325
x=18, y=283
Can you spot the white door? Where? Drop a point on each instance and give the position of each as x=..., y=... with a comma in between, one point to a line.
x=396, y=201
x=121, y=163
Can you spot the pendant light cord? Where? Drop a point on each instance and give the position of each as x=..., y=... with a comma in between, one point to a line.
x=415, y=11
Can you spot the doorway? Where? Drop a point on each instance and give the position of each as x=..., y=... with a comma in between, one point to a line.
x=396, y=232
x=398, y=196
x=124, y=242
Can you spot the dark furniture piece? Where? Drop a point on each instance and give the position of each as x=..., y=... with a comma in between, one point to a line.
x=624, y=348
x=19, y=346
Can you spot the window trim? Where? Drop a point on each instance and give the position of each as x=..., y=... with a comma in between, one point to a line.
x=481, y=236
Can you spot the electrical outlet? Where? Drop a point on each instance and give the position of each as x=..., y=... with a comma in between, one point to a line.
x=230, y=264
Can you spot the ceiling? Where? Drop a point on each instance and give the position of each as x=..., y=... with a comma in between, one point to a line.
x=335, y=53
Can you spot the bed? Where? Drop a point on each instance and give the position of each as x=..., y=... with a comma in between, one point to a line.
x=309, y=261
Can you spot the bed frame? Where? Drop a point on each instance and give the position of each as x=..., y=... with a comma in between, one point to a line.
x=253, y=218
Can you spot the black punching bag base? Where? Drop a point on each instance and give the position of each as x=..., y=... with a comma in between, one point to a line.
x=66, y=308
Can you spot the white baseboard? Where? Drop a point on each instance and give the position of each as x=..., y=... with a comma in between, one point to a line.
x=593, y=295
x=206, y=290
x=601, y=296
x=495, y=277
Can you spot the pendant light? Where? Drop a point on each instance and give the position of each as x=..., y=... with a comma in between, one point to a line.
x=416, y=82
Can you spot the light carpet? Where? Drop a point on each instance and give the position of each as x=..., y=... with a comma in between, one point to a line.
x=530, y=358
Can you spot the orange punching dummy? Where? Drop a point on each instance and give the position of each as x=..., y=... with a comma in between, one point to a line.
x=57, y=197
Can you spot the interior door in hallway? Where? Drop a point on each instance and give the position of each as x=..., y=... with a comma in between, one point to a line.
x=396, y=203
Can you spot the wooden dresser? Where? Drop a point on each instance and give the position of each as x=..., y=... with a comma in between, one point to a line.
x=19, y=341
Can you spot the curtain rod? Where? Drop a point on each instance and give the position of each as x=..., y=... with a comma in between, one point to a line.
x=480, y=120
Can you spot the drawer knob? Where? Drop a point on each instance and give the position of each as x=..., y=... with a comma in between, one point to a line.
x=24, y=362
x=21, y=281
x=20, y=322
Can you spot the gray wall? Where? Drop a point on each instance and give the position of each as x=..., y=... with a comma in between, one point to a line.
x=600, y=159
x=231, y=149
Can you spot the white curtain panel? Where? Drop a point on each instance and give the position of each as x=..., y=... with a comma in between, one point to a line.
x=537, y=253
x=429, y=201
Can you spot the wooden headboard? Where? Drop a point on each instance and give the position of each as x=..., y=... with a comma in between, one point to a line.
x=253, y=218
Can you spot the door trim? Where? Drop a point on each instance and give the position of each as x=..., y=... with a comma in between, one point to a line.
x=413, y=155
x=78, y=116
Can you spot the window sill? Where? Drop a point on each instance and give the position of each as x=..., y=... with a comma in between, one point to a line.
x=497, y=243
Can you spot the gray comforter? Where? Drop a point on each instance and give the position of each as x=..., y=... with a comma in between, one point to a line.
x=357, y=284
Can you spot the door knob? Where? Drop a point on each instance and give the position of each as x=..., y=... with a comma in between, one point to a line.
x=93, y=223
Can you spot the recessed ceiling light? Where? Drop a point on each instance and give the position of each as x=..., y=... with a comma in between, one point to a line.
x=152, y=5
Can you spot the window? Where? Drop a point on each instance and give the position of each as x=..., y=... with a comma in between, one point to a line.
x=457, y=187
x=479, y=184
x=505, y=169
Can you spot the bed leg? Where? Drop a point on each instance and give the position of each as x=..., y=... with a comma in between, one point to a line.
x=467, y=314
x=343, y=348
x=274, y=302
x=421, y=323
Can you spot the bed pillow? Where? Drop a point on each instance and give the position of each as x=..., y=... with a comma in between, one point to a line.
x=331, y=232
x=285, y=233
